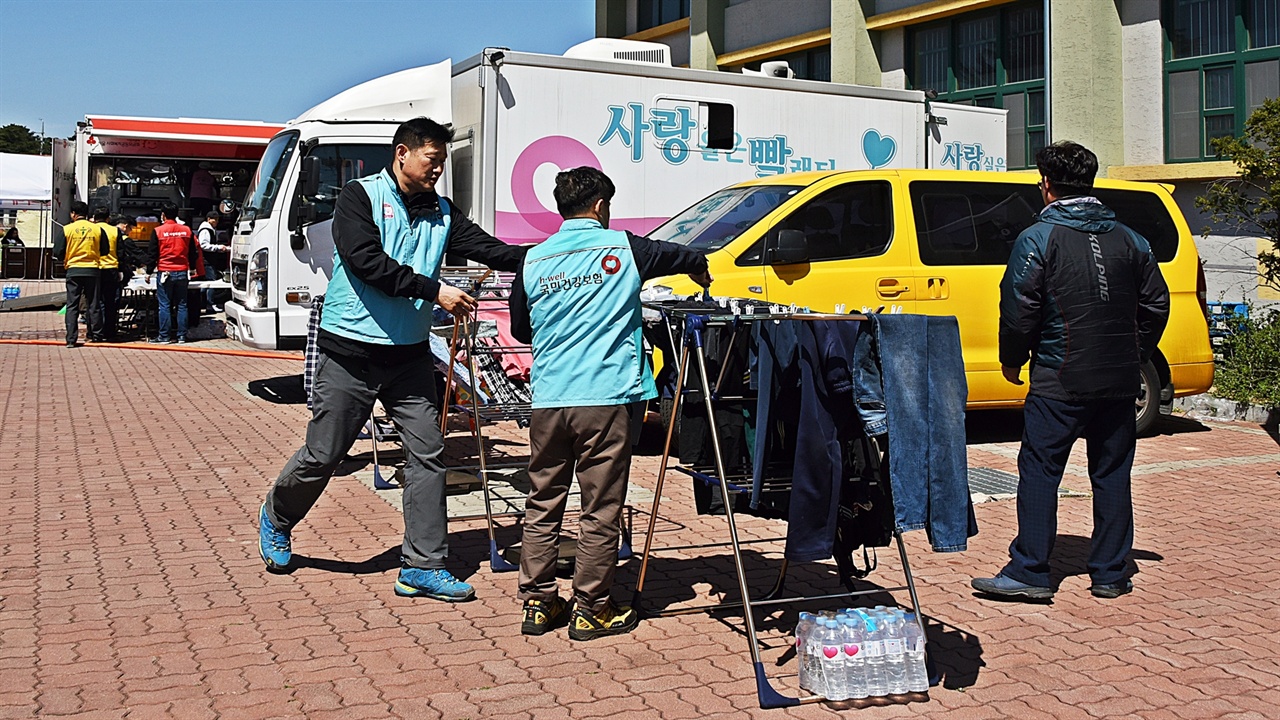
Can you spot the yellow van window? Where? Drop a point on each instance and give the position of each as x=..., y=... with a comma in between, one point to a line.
x=849, y=221
x=971, y=223
x=1146, y=215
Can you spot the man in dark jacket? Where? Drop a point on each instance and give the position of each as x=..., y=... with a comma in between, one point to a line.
x=1083, y=299
x=391, y=232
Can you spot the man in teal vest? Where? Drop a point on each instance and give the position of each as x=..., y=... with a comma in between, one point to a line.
x=390, y=234
x=576, y=298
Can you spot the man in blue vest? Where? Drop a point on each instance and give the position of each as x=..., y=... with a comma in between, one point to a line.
x=391, y=232
x=576, y=298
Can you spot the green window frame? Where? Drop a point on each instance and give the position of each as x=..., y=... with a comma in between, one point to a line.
x=1221, y=59
x=992, y=58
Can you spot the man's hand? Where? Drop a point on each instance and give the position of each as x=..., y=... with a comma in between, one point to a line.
x=704, y=279
x=455, y=301
x=1012, y=374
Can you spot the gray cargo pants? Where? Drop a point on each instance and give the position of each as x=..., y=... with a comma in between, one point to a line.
x=343, y=394
x=594, y=442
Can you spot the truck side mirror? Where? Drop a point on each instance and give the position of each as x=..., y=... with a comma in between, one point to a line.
x=788, y=248
x=309, y=177
x=304, y=213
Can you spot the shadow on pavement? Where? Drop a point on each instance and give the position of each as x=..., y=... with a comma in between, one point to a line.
x=282, y=390
x=380, y=563
x=998, y=426
x=1071, y=557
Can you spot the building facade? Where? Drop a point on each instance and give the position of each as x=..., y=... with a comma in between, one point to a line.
x=1146, y=84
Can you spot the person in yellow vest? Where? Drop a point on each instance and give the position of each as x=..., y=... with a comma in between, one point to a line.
x=79, y=247
x=109, y=277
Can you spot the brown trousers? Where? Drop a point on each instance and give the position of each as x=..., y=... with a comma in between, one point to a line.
x=596, y=443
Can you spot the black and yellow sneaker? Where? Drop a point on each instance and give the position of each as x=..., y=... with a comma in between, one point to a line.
x=612, y=620
x=542, y=616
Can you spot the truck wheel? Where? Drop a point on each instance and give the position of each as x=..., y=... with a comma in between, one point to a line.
x=1147, y=405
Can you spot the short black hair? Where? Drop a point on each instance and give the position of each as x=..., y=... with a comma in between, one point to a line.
x=80, y=207
x=1069, y=166
x=578, y=189
x=126, y=219
x=101, y=213
x=212, y=215
x=419, y=131
x=169, y=210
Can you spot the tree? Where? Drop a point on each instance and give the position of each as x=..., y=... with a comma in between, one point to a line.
x=1250, y=203
x=15, y=138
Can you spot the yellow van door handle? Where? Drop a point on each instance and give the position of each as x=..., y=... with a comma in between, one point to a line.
x=938, y=288
x=889, y=287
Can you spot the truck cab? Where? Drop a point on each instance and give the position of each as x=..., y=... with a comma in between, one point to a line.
x=282, y=245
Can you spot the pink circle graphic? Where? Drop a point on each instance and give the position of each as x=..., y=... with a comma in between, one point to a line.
x=564, y=153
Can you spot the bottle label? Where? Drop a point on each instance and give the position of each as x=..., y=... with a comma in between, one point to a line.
x=919, y=644
x=893, y=646
x=851, y=649
x=873, y=648
x=831, y=651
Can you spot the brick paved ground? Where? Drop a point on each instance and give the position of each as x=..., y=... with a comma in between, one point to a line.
x=131, y=585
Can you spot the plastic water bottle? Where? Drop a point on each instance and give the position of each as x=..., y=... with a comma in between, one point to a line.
x=804, y=630
x=11, y=292
x=895, y=658
x=817, y=680
x=855, y=660
x=917, y=673
x=874, y=647
x=833, y=660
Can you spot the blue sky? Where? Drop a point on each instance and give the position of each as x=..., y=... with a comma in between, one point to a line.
x=244, y=59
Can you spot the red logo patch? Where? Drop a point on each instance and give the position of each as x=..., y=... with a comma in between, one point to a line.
x=611, y=264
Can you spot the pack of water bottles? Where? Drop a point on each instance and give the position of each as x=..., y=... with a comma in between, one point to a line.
x=11, y=291
x=860, y=653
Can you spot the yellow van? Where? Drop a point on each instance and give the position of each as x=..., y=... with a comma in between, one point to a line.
x=933, y=242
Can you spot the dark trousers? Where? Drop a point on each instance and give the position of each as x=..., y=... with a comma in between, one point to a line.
x=1051, y=428
x=343, y=393
x=109, y=301
x=594, y=443
x=86, y=287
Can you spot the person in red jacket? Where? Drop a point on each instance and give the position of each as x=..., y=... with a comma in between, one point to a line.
x=173, y=251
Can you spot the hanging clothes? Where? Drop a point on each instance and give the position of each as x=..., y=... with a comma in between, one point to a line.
x=924, y=395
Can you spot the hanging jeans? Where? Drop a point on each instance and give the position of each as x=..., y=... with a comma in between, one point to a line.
x=925, y=393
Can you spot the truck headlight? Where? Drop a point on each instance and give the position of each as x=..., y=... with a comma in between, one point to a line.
x=258, y=265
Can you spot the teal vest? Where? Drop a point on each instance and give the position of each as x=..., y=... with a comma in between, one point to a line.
x=584, y=306
x=357, y=311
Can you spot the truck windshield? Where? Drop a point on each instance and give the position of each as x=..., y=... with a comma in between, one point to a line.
x=715, y=221
x=266, y=182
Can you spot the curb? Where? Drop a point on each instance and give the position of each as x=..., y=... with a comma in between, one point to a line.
x=1208, y=406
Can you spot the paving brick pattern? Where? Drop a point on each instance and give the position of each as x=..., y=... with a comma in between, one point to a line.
x=130, y=585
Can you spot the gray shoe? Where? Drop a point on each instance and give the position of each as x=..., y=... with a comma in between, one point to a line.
x=1010, y=588
x=1112, y=590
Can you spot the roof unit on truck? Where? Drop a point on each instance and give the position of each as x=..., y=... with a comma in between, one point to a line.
x=615, y=49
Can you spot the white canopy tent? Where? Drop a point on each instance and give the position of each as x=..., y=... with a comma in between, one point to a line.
x=26, y=184
x=26, y=181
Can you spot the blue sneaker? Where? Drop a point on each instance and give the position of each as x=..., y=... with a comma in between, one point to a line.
x=1010, y=588
x=435, y=584
x=273, y=545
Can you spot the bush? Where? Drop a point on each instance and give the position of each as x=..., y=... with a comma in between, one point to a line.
x=1250, y=367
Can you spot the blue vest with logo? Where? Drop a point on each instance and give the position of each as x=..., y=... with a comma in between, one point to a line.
x=357, y=311
x=584, y=306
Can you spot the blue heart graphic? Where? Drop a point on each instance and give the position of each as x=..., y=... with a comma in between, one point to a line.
x=878, y=149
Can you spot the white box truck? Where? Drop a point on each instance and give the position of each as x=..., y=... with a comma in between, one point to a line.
x=666, y=136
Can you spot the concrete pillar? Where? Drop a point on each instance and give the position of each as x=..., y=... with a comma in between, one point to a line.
x=854, y=55
x=1086, y=47
x=611, y=18
x=1143, y=82
x=706, y=33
